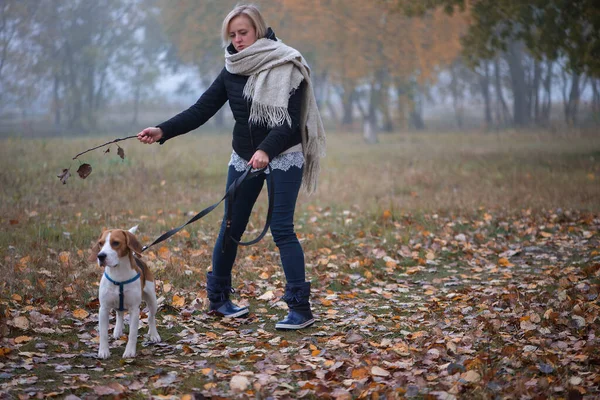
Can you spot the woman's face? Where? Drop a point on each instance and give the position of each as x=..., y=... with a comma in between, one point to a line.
x=241, y=32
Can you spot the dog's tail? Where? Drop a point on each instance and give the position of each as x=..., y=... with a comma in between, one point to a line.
x=134, y=229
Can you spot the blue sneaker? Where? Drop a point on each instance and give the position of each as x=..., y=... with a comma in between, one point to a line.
x=299, y=316
x=218, y=289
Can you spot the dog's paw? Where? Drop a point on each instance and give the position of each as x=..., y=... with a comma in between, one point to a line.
x=129, y=353
x=103, y=353
x=155, y=337
x=117, y=334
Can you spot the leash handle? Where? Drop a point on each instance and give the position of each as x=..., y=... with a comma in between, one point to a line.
x=248, y=174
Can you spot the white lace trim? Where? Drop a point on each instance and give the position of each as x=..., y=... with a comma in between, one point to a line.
x=283, y=161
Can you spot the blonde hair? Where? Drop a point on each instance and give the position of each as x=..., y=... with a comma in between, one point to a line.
x=250, y=11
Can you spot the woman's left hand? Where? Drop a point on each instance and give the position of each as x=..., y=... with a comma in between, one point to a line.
x=260, y=159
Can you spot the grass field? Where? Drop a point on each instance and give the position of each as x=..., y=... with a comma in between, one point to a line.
x=442, y=265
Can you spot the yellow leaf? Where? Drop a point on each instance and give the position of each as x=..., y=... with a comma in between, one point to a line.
x=22, y=339
x=4, y=351
x=164, y=252
x=264, y=275
x=16, y=297
x=387, y=214
x=178, y=301
x=359, y=373
x=64, y=257
x=24, y=261
x=80, y=313
x=503, y=262
x=326, y=303
x=206, y=371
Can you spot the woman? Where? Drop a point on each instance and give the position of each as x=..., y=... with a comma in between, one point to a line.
x=277, y=122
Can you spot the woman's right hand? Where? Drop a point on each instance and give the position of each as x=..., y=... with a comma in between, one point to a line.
x=150, y=135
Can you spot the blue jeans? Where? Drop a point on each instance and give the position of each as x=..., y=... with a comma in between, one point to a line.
x=287, y=185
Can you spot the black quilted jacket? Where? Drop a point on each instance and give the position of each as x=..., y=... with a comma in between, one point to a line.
x=247, y=138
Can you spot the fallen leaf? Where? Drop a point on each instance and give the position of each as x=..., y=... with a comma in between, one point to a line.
x=360, y=373
x=378, y=371
x=178, y=301
x=80, y=313
x=64, y=257
x=268, y=295
x=528, y=326
x=239, y=383
x=353, y=337
x=21, y=323
x=22, y=339
x=545, y=368
x=471, y=376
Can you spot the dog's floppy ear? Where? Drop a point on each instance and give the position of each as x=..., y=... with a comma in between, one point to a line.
x=133, y=244
x=95, y=251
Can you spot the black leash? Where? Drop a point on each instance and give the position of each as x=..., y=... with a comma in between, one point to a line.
x=230, y=194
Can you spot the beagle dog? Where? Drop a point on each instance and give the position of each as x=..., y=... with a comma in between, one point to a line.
x=125, y=283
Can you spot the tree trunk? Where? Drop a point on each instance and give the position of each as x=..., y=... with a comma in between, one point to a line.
x=348, y=99
x=56, y=99
x=402, y=95
x=573, y=102
x=456, y=97
x=416, y=112
x=370, y=119
x=514, y=57
x=535, y=90
x=595, y=99
x=502, y=113
x=383, y=99
x=484, y=85
x=547, y=106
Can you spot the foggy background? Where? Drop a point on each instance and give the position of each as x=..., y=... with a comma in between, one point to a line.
x=83, y=67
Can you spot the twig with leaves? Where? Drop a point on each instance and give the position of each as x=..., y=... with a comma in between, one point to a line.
x=85, y=169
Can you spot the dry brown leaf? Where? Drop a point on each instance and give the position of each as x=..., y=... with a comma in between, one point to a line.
x=22, y=339
x=471, y=376
x=178, y=301
x=360, y=373
x=80, y=313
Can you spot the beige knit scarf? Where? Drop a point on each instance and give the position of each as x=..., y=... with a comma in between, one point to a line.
x=274, y=71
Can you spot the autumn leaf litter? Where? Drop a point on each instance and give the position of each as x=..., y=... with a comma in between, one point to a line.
x=488, y=306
